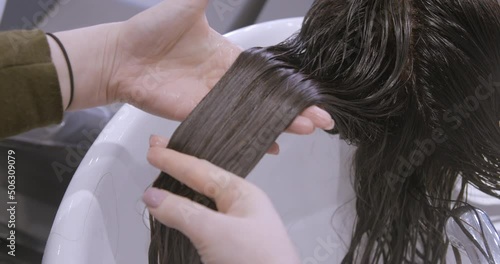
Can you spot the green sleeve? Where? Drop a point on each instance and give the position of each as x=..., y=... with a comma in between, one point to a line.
x=30, y=96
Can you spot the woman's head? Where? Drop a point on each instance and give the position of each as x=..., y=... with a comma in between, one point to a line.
x=415, y=85
x=374, y=58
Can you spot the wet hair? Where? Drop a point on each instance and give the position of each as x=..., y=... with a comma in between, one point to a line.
x=414, y=84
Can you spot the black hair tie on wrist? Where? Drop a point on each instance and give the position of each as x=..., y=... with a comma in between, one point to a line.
x=66, y=57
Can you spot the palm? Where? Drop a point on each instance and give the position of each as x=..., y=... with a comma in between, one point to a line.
x=168, y=58
x=168, y=64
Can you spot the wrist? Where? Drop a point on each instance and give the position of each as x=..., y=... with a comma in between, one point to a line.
x=91, y=53
x=61, y=69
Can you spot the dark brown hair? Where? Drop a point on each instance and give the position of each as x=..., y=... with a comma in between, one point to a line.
x=414, y=84
x=232, y=128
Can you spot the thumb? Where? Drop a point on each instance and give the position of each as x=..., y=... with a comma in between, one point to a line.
x=180, y=213
x=194, y=5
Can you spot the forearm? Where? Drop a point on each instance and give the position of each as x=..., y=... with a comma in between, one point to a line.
x=29, y=90
x=91, y=54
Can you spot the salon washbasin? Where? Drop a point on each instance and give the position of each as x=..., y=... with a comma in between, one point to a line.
x=102, y=219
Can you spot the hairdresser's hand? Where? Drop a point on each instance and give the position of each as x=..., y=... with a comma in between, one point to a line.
x=246, y=229
x=168, y=58
x=163, y=60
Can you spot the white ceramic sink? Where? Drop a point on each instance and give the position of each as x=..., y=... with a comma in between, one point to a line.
x=102, y=219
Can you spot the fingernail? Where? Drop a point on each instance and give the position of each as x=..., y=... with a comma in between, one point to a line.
x=153, y=197
x=331, y=126
x=274, y=150
x=155, y=140
x=323, y=115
